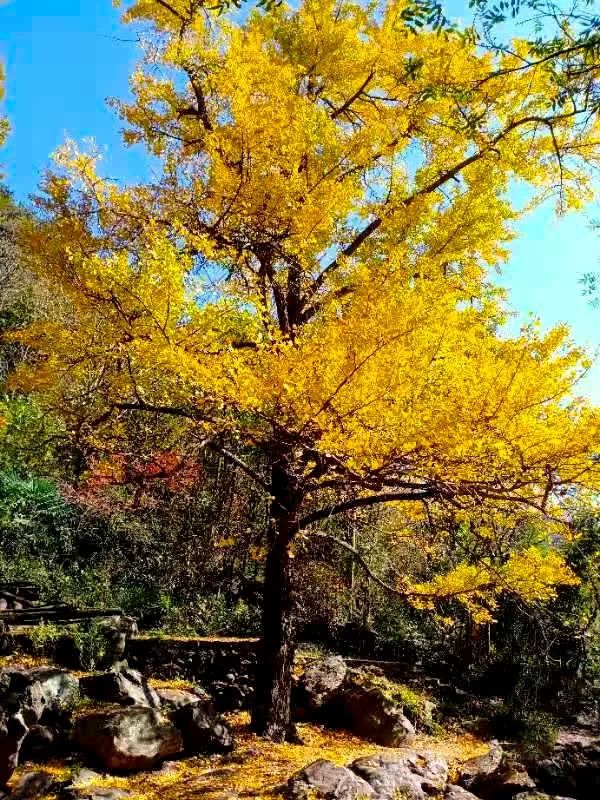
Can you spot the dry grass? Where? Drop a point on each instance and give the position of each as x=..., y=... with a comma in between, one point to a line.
x=256, y=767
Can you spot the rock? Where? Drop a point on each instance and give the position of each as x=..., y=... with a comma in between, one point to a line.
x=33, y=703
x=496, y=780
x=60, y=688
x=476, y=769
x=174, y=699
x=202, y=730
x=86, y=776
x=430, y=769
x=94, y=793
x=35, y=784
x=129, y=739
x=39, y=744
x=510, y=779
x=233, y=693
x=126, y=687
x=458, y=793
x=323, y=779
x=411, y=774
x=117, y=631
x=573, y=767
x=389, y=777
x=12, y=732
x=535, y=795
x=318, y=685
x=367, y=711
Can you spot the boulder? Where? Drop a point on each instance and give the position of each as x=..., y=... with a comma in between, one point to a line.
x=93, y=793
x=30, y=698
x=368, y=711
x=40, y=743
x=36, y=784
x=477, y=769
x=535, y=795
x=116, y=631
x=411, y=774
x=573, y=767
x=458, y=793
x=389, y=777
x=128, y=739
x=12, y=732
x=232, y=693
x=510, y=779
x=318, y=685
x=431, y=770
x=323, y=779
x=202, y=730
x=496, y=780
x=59, y=688
x=87, y=786
x=173, y=699
x=126, y=687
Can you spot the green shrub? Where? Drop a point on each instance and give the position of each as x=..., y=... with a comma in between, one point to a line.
x=536, y=731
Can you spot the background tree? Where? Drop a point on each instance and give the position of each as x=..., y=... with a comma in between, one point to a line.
x=305, y=289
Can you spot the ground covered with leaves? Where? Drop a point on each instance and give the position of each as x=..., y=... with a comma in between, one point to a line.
x=256, y=768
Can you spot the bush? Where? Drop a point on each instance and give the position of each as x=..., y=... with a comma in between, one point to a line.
x=536, y=731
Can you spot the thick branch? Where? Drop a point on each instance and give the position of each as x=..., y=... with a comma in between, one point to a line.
x=362, y=502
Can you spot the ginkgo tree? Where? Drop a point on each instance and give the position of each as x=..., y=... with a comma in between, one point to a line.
x=308, y=278
x=3, y=121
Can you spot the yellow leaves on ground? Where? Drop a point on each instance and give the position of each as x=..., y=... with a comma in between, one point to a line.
x=258, y=766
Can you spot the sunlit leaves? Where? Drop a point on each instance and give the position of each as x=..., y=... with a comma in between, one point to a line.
x=310, y=272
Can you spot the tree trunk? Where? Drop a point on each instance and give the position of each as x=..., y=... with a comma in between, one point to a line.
x=272, y=712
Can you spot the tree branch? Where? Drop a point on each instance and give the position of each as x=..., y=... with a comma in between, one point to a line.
x=362, y=502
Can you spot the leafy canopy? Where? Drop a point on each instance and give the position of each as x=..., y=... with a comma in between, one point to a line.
x=309, y=273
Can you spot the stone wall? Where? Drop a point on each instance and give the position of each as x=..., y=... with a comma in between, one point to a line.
x=198, y=660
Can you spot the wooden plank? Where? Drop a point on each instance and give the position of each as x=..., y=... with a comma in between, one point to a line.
x=33, y=616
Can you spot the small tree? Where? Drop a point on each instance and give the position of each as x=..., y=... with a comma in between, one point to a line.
x=309, y=278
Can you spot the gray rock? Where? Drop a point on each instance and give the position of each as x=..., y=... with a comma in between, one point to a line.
x=510, y=779
x=174, y=699
x=129, y=739
x=86, y=776
x=323, y=779
x=202, y=730
x=126, y=687
x=458, y=793
x=430, y=769
x=389, y=777
x=94, y=793
x=35, y=784
x=319, y=683
x=477, y=769
x=12, y=732
x=33, y=703
x=367, y=711
x=573, y=768
x=59, y=688
x=39, y=744
x=117, y=631
x=535, y=795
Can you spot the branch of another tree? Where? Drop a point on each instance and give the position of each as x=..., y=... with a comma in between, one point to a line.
x=209, y=444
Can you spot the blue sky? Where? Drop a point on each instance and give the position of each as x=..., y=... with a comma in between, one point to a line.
x=62, y=66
